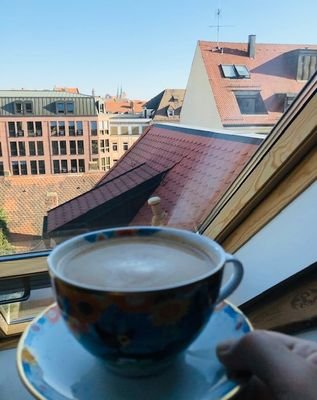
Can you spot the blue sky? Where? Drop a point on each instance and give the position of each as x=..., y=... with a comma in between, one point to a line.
x=145, y=46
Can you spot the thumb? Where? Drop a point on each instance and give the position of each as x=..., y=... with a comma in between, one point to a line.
x=269, y=359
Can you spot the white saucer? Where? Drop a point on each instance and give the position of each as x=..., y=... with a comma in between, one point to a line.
x=53, y=366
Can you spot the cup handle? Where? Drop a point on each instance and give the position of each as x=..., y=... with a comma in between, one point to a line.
x=234, y=280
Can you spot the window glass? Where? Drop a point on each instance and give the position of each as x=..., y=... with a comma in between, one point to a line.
x=41, y=164
x=1, y=168
x=15, y=168
x=81, y=164
x=70, y=107
x=23, y=167
x=73, y=165
x=40, y=149
x=38, y=127
x=53, y=127
x=80, y=147
x=93, y=128
x=94, y=146
x=71, y=128
x=33, y=165
x=124, y=130
x=61, y=128
x=30, y=127
x=55, y=150
x=13, y=149
x=28, y=107
x=18, y=107
x=113, y=130
x=135, y=130
x=32, y=151
x=72, y=147
x=79, y=127
x=21, y=149
x=56, y=167
x=60, y=108
x=250, y=102
x=11, y=127
x=64, y=166
x=62, y=146
x=19, y=128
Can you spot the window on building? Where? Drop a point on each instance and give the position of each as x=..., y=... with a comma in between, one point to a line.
x=79, y=126
x=125, y=146
x=113, y=130
x=0, y=149
x=13, y=149
x=32, y=150
x=61, y=128
x=33, y=165
x=115, y=161
x=93, y=128
x=242, y=71
x=62, y=147
x=135, y=130
x=103, y=164
x=56, y=168
x=72, y=147
x=55, y=150
x=28, y=107
x=23, y=168
x=15, y=168
x=1, y=169
x=41, y=164
x=102, y=146
x=53, y=127
x=124, y=130
x=80, y=147
x=107, y=145
x=40, y=149
x=63, y=166
x=115, y=146
x=38, y=128
x=11, y=128
x=19, y=129
x=228, y=71
x=81, y=165
x=18, y=108
x=70, y=107
x=21, y=149
x=71, y=128
x=73, y=165
x=60, y=107
x=30, y=128
x=235, y=71
x=107, y=163
x=250, y=102
x=94, y=146
x=170, y=112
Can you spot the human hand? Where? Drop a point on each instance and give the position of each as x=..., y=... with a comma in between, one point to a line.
x=272, y=366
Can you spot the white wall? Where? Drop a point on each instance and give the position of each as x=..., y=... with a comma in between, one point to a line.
x=283, y=247
x=199, y=108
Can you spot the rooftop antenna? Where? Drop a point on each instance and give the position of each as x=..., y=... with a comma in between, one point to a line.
x=218, y=26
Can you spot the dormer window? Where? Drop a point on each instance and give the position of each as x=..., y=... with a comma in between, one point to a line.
x=28, y=107
x=70, y=107
x=170, y=112
x=18, y=107
x=60, y=107
x=235, y=71
x=250, y=102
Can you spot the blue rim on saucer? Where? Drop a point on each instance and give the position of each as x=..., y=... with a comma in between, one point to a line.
x=54, y=366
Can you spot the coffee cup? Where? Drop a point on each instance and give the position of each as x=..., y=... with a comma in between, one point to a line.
x=139, y=296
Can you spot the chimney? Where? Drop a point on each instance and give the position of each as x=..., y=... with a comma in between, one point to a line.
x=251, y=46
x=159, y=216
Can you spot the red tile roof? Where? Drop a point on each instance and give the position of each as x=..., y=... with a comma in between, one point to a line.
x=273, y=71
x=199, y=166
x=26, y=199
x=67, y=89
x=119, y=106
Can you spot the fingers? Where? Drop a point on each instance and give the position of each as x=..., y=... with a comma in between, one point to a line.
x=269, y=358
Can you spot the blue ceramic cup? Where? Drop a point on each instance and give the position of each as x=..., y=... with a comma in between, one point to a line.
x=140, y=331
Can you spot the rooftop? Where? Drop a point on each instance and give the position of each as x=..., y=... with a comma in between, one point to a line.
x=272, y=73
x=188, y=169
x=26, y=199
x=40, y=93
x=168, y=99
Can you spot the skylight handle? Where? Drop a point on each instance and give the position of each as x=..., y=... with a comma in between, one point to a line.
x=234, y=280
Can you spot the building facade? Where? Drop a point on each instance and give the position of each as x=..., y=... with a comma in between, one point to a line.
x=245, y=87
x=53, y=132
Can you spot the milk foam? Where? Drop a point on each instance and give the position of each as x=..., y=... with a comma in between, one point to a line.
x=134, y=263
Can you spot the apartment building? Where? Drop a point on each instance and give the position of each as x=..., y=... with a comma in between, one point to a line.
x=50, y=132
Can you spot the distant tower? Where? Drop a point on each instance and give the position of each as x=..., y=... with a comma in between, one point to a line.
x=93, y=92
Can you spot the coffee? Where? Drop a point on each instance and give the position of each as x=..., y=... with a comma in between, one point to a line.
x=135, y=264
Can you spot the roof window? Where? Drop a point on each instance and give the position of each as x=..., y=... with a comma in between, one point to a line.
x=250, y=102
x=235, y=71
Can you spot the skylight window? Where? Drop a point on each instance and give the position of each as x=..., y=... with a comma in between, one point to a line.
x=228, y=71
x=242, y=71
x=233, y=71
